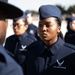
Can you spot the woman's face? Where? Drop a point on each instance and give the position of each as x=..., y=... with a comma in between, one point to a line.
x=72, y=25
x=19, y=27
x=48, y=29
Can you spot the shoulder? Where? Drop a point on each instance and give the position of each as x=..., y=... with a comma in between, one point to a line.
x=33, y=45
x=11, y=37
x=34, y=26
x=69, y=46
x=32, y=37
x=4, y=55
x=7, y=64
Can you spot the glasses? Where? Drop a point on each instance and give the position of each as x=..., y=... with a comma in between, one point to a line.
x=17, y=25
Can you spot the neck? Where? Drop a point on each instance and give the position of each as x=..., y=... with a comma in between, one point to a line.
x=51, y=41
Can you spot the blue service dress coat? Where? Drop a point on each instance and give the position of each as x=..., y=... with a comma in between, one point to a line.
x=70, y=37
x=17, y=46
x=7, y=65
x=32, y=31
x=58, y=59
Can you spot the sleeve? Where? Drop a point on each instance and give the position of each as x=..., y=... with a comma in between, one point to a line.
x=10, y=69
x=7, y=64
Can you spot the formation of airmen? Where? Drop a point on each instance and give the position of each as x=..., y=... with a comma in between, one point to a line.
x=35, y=50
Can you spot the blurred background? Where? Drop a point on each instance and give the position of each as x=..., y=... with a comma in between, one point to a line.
x=66, y=6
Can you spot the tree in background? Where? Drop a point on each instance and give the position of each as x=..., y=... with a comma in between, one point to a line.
x=71, y=9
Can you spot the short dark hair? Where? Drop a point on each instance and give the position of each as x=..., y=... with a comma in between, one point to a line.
x=25, y=21
x=60, y=34
x=58, y=21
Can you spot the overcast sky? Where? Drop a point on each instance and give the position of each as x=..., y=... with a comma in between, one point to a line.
x=35, y=4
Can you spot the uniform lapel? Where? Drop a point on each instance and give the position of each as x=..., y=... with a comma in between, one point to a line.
x=61, y=53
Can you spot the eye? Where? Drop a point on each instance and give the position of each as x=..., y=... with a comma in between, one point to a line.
x=15, y=24
x=48, y=24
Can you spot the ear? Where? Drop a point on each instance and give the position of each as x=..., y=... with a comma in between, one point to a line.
x=59, y=29
x=26, y=27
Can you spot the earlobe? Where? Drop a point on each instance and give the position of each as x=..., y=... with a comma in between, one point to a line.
x=26, y=26
x=59, y=29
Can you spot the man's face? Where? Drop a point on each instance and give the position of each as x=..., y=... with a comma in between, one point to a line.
x=72, y=25
x=48, y=29
x=19, y=27
x=3, y=27
x=29, y=18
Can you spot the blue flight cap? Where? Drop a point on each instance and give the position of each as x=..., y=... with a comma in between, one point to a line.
x=27, y=12
x=23, y=16
x=72, y=18
x=46, y=11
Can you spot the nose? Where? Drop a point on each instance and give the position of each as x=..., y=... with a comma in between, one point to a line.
x=44, y=27
x=15, y=27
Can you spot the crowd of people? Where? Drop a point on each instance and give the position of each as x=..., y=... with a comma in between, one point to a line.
x=35, y=50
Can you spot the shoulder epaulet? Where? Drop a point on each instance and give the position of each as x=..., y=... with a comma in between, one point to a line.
x=33, y=38
x=69, y=45
x=33, y=45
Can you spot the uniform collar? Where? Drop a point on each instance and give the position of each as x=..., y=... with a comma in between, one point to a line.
x=31, y=24
x=22, y=36
x=54, y=48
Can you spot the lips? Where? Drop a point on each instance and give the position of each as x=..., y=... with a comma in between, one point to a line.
x=43, y=34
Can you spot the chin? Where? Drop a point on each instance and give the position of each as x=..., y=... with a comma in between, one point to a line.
x=17, y=34
x=44, y=39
